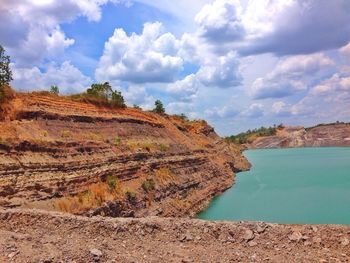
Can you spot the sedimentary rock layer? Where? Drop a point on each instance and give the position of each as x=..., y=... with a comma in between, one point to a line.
x=53, y=150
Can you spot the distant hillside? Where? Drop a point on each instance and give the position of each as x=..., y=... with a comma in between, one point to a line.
x=321, y=135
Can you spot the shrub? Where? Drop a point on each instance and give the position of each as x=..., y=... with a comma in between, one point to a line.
x=112, y=182
x=148, y=185
x=163, y=147
x=159, y=108
x=54, y=90
x=65, y=134
x=101, y=94
x=130, y=196
x=117, y=141
x=136, y=107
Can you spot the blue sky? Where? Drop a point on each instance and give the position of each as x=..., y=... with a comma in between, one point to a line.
x=238, y=64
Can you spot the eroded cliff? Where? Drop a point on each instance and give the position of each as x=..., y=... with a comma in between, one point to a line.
x=59, y=154
x=332, y=135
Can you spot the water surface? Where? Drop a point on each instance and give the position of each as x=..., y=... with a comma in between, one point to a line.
x=304, y=185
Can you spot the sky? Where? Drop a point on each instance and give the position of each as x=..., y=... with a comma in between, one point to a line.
x=237, y=64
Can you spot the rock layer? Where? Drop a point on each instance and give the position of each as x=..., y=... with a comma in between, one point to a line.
x=53, y=148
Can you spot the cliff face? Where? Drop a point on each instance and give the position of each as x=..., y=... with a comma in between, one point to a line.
x=59, y=154
x=335, y=135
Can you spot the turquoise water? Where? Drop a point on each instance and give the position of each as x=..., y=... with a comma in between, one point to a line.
x=304, y=185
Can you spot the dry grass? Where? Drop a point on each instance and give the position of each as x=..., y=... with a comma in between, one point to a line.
x=95, y=196
x=164, y=176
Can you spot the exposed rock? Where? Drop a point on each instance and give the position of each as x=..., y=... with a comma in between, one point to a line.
x=96, y=252
x=248, y=235
x=54, y=147
x=295, y=236
x=344, y=241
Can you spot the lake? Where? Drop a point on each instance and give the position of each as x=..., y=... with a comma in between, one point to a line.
x=301, y=185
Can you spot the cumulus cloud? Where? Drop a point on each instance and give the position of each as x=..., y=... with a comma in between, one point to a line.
x=254, y=111
x=279, y=27
x=346, y=51
x=137, y=94
x=297, y=26
x=149, y=57
x=67, y=77
x=222, y=71
x=226, y=111
x=328, y=99
x=290, y=76
x=30, y=29
x=220, y=21
x=184, y=90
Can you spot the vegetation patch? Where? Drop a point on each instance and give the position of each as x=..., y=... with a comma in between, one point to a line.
x=148, y=185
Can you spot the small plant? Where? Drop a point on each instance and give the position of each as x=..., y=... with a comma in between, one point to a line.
x=148, y=185
x=132, y=145
x=117, y=141
x=130, y=196
x=135, y=106
x=45, y=133
x=112, y=182
x=65, y=134
x=163, y=147
x=54, y=90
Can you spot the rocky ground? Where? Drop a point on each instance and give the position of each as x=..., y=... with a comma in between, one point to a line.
x=38, y=236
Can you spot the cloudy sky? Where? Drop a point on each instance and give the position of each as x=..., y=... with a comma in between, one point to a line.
x=238, y=64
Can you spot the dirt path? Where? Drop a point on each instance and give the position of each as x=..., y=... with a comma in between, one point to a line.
x=37, y=236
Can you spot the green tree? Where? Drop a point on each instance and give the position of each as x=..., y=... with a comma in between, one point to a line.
x=54, y=90
x=100, y=90
x=5, y=72
x=117, y=99
x=159, y=108
x=135, y=106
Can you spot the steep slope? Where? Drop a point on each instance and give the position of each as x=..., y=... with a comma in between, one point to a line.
x=59, y=154
x=319, y=136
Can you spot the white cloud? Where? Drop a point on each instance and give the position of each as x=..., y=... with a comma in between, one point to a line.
x=67, y=77
x=184, y=90
x=222, y=71
x=329, y=99
x=296, y=26
x=346, y=51
x=226, y=111
x=30, y=29
x=220, y=21
x=254, y=111
x=149, y=57
x=291, y=75
x=137, y=94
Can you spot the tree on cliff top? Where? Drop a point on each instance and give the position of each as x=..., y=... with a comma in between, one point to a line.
x=159, y=108
x=104, y=92
x=5, y=72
